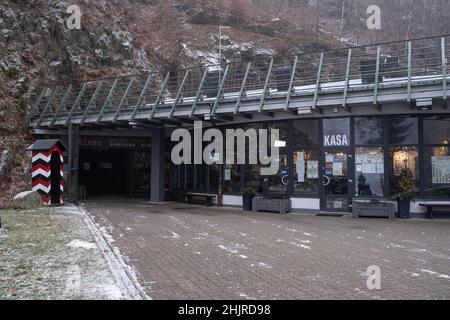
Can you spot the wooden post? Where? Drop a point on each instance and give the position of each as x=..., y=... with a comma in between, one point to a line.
x=220, y=187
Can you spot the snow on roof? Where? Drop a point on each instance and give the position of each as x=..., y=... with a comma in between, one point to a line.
x=46, y=144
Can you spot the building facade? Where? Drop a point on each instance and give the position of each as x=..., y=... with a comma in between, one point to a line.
x=349, y=121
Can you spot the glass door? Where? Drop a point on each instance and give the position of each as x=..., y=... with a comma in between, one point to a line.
x=336, y=181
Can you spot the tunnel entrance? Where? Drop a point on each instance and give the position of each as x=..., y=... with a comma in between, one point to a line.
x=114, y=167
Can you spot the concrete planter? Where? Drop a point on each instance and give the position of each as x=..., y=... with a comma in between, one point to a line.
x=378, y=209
x=272, y=205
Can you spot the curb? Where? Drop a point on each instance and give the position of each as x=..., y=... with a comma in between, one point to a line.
x=120, y=270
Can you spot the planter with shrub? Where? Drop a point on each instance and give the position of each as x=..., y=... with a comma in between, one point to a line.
x=407, y=192
x=247, y=198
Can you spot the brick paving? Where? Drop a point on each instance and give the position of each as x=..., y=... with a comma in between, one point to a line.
x=190, y=252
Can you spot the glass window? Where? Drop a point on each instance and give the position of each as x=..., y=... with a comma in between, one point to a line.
x=232, y=178
x=306, y=132
x=437, y=166
x=336, y=132
x=189, y=174
x=436, y=131
x=201, y=175
x=403, y=130
x=336, y=173
x=253, y=178
x=252, y=172
x=278, y=183
x=306, y=171
x=403, y=157
x=213, y=177
x=369, y=131
x=369, y=172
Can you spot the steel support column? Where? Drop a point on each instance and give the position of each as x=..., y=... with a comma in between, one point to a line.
x=158, y=167
x=73, y=162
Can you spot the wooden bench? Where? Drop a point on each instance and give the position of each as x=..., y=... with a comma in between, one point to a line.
x=430, y=205
x=202, y=198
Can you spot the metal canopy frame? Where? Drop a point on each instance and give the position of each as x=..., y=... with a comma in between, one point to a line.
x=140, y=100
x=122, y=101
x=61, y=105
x=251, y=90
x=266, y=90
x=220, y=92
x=160, y=97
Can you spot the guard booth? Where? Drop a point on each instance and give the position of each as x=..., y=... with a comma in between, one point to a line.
x=47, y=170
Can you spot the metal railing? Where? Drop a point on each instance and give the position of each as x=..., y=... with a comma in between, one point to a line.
x=159, y=96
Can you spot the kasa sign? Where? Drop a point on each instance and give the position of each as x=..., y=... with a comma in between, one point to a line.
x=338, y=140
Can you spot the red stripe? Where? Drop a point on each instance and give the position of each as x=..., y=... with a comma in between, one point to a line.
x=46, y=199
x=40, y=181
x=41, y=166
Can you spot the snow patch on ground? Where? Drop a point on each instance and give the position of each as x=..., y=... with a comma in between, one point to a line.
x=228, y=249
x=175, y=235
x=76, y=243
x=434, y=273
x=48, y=268
x=394, y=245
x=263, y=265
x=245, y=296
x=418, y=250
x=309, y=235
x=300, y=245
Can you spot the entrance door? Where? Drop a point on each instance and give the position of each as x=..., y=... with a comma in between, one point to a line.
x=336, y=180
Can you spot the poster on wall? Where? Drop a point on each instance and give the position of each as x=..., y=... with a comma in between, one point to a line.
x=440, y=170
x=300, y=167
x=312, y=170
x=227, y=175
x=337, y=168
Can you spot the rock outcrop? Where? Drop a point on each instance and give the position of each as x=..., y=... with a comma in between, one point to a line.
x=27, y=200
x=6, y=163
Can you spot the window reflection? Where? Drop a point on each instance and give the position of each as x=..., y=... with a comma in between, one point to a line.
x=402, y=157
x=403, y=130
x=306, y=133
x=306, y=174
x=306, y=157
x=437, y=163
x=436, y=131
x=232, y=178
x=369, y=164
x=278, y=184
x=369, y=131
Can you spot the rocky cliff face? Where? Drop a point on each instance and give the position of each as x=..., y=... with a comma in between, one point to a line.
x=119, y=37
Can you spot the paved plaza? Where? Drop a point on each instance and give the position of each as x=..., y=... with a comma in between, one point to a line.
x=183, y=251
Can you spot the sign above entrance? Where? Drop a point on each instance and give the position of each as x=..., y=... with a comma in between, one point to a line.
x=115, y=143
x=336, y=132
x=335, y=140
